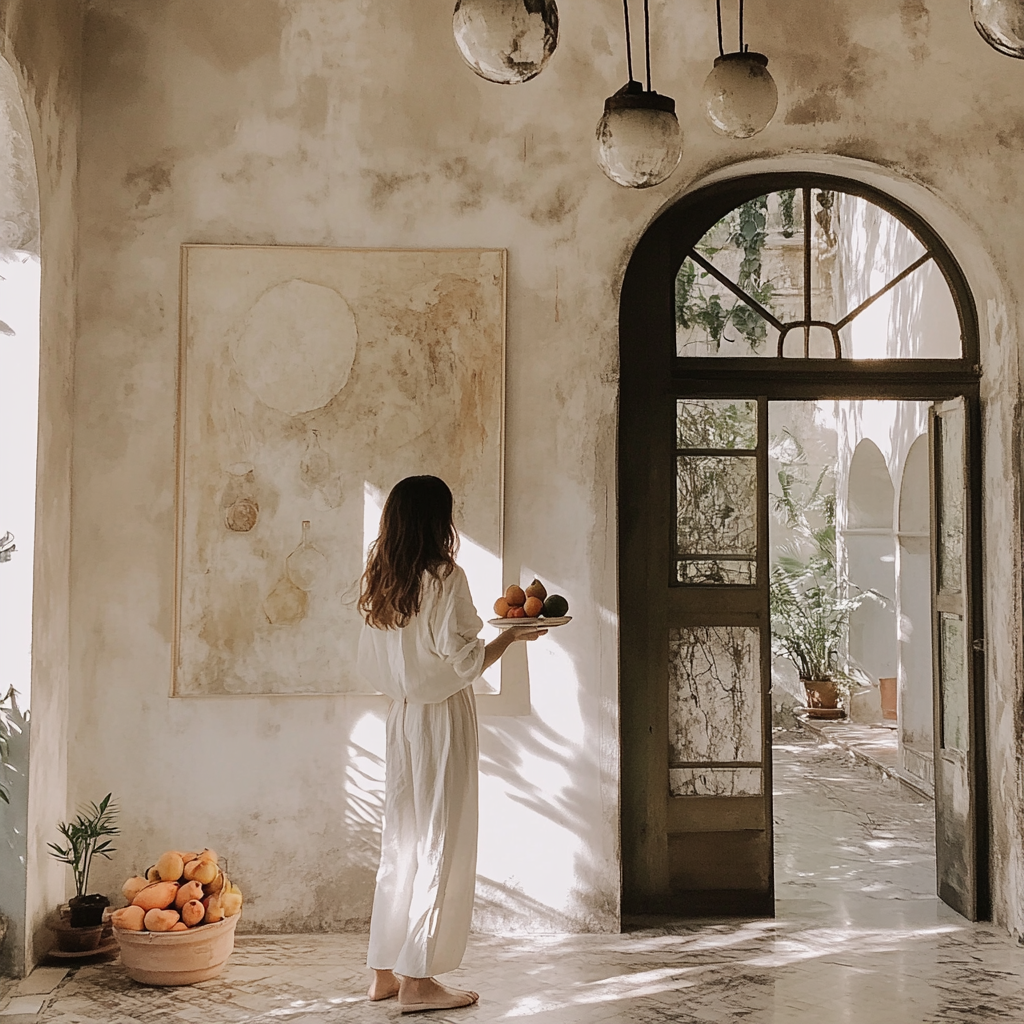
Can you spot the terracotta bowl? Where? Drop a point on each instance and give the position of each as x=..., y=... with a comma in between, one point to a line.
x=177, y=958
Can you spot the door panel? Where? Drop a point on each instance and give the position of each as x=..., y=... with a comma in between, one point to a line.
x=716, y=780
x=953, y=646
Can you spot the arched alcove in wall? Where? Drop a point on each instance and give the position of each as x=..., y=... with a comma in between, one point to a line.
x=20, y=273
x=914, y=652
x=870, y=561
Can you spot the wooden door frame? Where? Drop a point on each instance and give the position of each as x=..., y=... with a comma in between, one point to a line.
x=651, y=376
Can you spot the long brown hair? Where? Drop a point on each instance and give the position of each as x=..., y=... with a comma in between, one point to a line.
x=417, y=535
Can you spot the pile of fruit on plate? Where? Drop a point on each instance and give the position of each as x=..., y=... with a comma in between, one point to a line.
x=519, y=606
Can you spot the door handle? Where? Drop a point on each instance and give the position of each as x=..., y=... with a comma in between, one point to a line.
x=978, y=645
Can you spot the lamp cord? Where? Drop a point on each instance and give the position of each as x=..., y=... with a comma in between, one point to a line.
x=629, y=45
x=721, y=45
x=647, y=41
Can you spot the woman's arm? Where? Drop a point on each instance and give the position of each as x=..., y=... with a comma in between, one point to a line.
x=500, y=644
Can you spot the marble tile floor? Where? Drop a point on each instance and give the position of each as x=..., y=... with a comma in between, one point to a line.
x=859, y=939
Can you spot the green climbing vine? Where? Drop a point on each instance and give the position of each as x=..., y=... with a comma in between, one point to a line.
x=695, y=307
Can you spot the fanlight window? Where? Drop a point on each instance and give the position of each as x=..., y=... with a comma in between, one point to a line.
x=814, y=273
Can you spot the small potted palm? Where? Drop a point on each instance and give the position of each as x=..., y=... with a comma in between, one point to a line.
x=85, y=838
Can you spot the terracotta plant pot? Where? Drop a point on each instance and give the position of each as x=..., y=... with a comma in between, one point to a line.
x=177, y=958
x=75, y=940
x=822, y=698
x=887, y=695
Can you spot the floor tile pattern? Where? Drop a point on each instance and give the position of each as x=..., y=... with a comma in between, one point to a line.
x=859, y=939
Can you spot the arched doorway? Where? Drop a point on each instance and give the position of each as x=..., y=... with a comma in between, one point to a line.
x=708, y=339
x=20, y=277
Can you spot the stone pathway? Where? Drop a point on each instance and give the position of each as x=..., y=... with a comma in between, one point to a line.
x=859, y=939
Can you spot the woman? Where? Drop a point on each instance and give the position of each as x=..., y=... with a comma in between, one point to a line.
x=419, y=646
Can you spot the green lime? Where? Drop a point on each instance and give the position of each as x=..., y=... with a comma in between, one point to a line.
x=555, y=606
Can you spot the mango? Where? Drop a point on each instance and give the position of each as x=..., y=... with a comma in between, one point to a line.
x=157, y=896
x=129, y=919
x=161, y=920
x=133, y=887
x=214, y=911
x=201, y=870
x=186, y=892
x=231, y=903
x=515, y=596
x=192, y=913
x=501, y=607
x=533, y=607
x=170, y=866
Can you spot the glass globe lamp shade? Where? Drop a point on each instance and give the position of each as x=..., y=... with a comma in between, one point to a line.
x=1001, y=24
x=740, y=96
x=639, y=142
x=506, y=41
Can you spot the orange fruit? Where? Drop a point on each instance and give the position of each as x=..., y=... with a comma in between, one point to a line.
x=515, y=596
x=516, y=612
x=501, y=607
x=533, y=607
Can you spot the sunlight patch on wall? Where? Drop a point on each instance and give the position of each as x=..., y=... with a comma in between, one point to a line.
x=19, y=413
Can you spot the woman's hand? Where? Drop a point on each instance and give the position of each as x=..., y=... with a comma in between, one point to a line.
x=525, y=632
x=498, y=646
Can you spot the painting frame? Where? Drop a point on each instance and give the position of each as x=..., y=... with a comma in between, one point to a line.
x=498, y=696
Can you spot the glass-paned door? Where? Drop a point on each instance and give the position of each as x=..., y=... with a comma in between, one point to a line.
x=717, y=778
x=953, y=646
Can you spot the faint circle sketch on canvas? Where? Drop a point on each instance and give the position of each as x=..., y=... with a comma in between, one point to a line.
x=296, y=346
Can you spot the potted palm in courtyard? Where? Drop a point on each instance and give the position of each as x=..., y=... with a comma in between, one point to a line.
x=810, y=604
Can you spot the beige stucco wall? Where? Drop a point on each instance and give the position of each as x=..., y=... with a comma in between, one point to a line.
x=41, y=39
x=325, y=123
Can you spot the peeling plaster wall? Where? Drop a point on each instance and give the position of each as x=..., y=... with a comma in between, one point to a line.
x=41, y=39
x=355, y=124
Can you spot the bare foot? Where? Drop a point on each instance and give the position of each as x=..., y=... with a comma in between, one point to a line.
x=427, y=994
x=384, y=986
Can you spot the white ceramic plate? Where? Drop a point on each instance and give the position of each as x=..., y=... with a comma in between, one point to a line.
x=555, y=620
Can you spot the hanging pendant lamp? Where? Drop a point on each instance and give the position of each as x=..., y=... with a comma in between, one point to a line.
x=740, y=96
x=1001, y=24
x=639, y=143
x=506, y=41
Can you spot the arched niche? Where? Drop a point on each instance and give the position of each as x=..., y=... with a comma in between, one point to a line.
x=913, y=596
x=914, y=499
x=870, y=492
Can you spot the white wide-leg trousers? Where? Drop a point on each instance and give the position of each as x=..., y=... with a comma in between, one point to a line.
x=423, y=903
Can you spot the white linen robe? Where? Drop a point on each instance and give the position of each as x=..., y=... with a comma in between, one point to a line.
x=423, y=901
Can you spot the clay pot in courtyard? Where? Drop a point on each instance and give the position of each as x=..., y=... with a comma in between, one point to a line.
x=177, y=958
x=822, y=698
